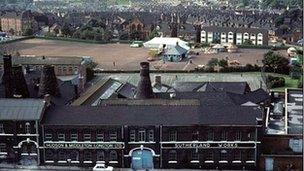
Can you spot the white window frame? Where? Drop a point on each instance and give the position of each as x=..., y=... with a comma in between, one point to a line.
x=113, y=135
x=100, y=137
x=87, y=137
x=141, y=135
x=27, y=128
x=3, y=148
x=74, y=137
x=48, y=136
x=132, y=135
x=61, y=136
x=151, y=135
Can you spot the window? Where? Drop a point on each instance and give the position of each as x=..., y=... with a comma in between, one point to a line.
x=87, y=137
x=113, y=156
x=48, y=137
x=74, y=155
x=100, y=136
x=223, y=155
x=61, y=156
x=250, y=156
x=142, y=135
x=224, y=136
x=173, y=136
x=209, y=155
x=172, y=155
x=194, y=155
x=3, y=147
x=1, y=129
x=70, y=69
x=238, y=136
x=74, y=136
x=113, y=136
x=210, y=135
x=238, y=155
x=132, y=136
x=87, y=156
x=151, y=135
x=61, y=137
x=27, y=128
x=100, y=156
x=251, y=135
x=195, y=135
x=49, y=155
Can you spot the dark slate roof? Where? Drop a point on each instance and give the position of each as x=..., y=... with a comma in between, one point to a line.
x=21, y=109
x=169, y=115
x=256, y=97
x=122, y=115
x=208, y=98
x=233, y=87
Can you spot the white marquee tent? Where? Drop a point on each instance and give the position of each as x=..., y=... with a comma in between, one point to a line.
x=157, y=42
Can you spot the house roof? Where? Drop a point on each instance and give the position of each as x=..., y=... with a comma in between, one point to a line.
x=21, y=109
x=175, y=50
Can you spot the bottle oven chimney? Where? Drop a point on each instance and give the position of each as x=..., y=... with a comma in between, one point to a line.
x=48, y=82
x=20, y=89
x=144, y=87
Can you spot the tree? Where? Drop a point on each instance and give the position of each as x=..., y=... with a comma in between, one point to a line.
x=276, y=62
x=212, y=62
x=153, y=34
x=248, y=42
x=66, y=30
x=223, y=63
x=28, y=31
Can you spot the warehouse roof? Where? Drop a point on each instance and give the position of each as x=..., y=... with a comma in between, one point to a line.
x=21, y=109
x=152, y=114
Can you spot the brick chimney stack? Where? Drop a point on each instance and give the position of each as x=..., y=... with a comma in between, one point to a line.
x=48, y=82
x=7, y=76
x=144, y=87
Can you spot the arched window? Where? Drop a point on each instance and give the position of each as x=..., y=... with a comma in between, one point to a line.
x=100, y=156
x=246, y=34
x=260, y=35
x=223, y=155
x=138, y=27
x=230, y=33
x=133, y=27
x=113, y=156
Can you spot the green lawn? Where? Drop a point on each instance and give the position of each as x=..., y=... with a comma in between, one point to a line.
x=289, y=83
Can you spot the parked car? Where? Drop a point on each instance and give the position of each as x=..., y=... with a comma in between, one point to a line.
x=102, y=167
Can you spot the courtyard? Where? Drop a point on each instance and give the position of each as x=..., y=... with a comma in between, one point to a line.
x=123, y=57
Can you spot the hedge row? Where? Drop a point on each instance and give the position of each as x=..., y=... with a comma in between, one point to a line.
x=16, y=40
x=247, y=68
x=263, y=47
x=273, y=82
